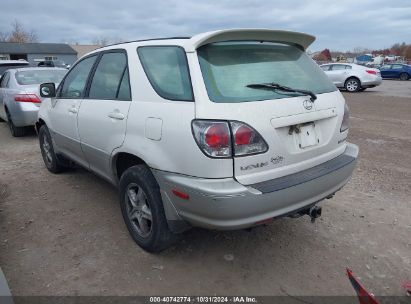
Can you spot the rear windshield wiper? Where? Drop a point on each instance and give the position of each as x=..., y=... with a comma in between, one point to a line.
x=276, y=86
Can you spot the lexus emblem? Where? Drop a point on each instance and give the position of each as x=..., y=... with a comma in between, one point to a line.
x=308, y=104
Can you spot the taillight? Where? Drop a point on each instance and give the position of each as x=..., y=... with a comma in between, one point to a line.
x=213, y=137
x=344, y=124
x=27, y=98
x=216, y=138
x=371, y=72
x=246, y=140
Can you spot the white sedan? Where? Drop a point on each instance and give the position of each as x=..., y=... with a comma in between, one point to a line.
x=352, y=77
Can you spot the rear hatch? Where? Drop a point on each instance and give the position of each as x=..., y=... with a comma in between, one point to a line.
x=300, y=133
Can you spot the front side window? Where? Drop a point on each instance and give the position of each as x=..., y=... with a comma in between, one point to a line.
x=325, y=67
x=167, y=70
x=75, y=82
x=228, y=67
x=108, y=76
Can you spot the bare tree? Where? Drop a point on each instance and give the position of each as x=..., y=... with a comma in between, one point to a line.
x=4, y=37
x=101, y=41
x=19, y=34
x=107, y=40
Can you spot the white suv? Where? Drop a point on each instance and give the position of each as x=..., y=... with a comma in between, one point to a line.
x=223, y=130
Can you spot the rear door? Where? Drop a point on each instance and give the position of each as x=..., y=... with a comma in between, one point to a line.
x=103, y=113
x=397, y=69
x=338, y=74
x=65, y=107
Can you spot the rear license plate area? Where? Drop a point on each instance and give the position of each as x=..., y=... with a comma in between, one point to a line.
x=307, y=137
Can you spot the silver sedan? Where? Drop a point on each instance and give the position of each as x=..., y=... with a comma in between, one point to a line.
x=352, y=77
x=19, y=95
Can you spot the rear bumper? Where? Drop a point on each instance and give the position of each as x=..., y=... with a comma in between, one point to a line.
x=371, y=83
x=25, y=114
x=226, y=204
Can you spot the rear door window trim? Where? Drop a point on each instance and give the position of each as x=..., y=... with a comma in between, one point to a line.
x=93, y=71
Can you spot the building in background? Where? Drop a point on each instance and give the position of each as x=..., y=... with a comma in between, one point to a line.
x=35, y=52
x=83, y=49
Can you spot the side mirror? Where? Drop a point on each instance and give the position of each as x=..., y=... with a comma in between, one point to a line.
x=48, y=90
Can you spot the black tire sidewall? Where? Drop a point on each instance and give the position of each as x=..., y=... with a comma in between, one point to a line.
x=53, y=167
x=406, y=76
x=160, y=236
x=15, y=131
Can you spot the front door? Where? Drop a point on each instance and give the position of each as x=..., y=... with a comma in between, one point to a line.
x=65, y=108
x=103, y=112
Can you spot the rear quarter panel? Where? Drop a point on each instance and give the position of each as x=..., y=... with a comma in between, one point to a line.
x=169, y=145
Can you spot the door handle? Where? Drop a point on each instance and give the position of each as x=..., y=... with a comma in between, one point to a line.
x=116, y=115
x=73, y=110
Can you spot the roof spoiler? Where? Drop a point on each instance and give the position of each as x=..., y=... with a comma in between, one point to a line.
x=300, y=39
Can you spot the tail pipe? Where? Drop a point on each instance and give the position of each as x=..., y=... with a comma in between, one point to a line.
x=314, y=212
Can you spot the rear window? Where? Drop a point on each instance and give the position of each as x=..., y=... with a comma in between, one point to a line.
x=167, y=70
x=39, y=76
x=228, y=67
x=5, y=67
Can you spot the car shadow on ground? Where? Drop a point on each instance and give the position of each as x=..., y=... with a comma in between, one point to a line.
x=277, y=235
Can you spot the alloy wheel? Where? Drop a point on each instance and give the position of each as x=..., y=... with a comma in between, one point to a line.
x=352, y=85
x=138, y=210
x=47, y=150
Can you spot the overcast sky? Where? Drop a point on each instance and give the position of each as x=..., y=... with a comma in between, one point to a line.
x=341, y=25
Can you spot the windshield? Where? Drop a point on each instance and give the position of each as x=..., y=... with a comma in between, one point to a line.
x=39, y=76
x=228, y=67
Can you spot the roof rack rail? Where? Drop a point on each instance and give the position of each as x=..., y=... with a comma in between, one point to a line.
x=150, y=39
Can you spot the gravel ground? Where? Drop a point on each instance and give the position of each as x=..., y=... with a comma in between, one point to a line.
x=64, y=235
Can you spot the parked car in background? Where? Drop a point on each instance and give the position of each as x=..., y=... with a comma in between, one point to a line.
x=20, y=98
x=352, y=77
x=53, y=63
x=264, y=136
x=12, y=64
x=396, y=70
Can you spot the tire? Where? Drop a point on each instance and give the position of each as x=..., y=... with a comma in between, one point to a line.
x=404, y=76
x=15, y=131
x=51, y=161
x=142, y=209
x=352, y=84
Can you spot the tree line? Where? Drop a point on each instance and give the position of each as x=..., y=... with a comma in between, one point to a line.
x=18, y=34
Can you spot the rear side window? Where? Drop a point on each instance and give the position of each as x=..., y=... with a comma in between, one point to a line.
x=337, y=67
x=228, y=67
x=397, y=66
x=167, y=70
x=33, y=76
x=5, y=67
x=109, y=76
x=124, y=90
x=75, y=82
